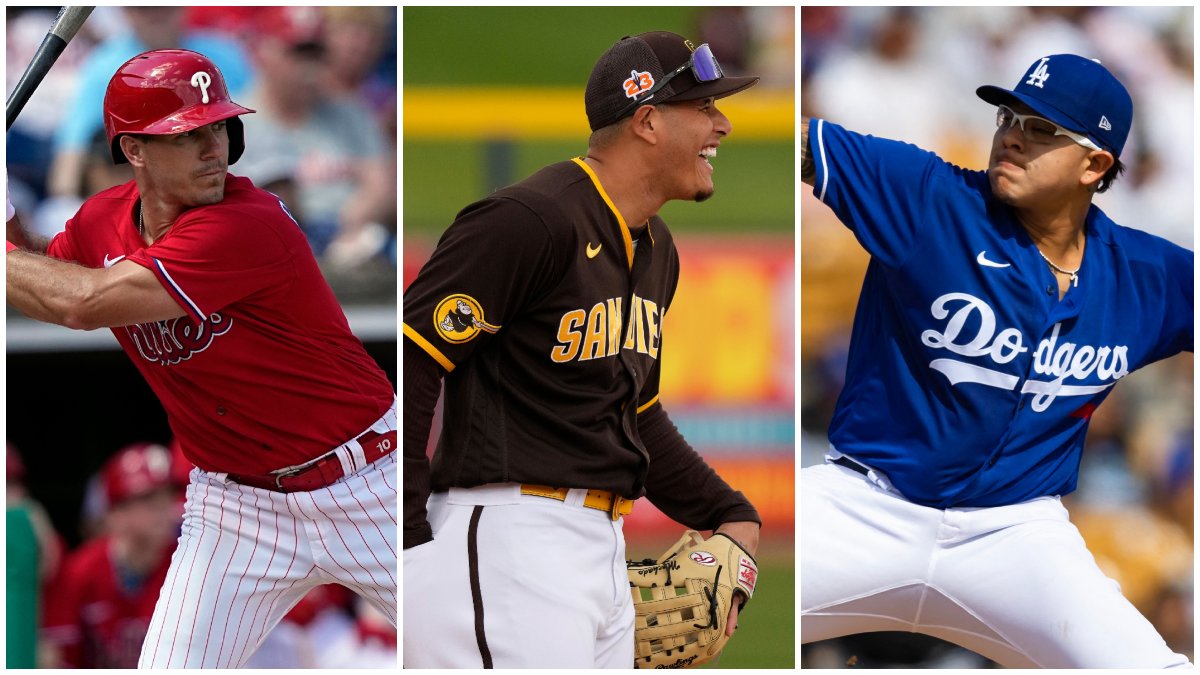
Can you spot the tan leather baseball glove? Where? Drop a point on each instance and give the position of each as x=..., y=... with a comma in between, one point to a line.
x=682, y=600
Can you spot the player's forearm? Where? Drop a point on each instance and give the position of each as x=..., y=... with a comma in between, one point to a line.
x=422, y=384
x=808, y=168
x=743, y=532
x=50, y=290
x=681, y=484
x=84, y=298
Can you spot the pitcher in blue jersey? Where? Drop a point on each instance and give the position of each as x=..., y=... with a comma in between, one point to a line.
x=999, y=309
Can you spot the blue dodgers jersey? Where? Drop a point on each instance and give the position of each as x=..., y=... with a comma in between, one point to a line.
x=969, y=382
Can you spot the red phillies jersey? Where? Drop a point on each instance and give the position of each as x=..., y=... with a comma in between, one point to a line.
x=93, y=621
x=263, y=371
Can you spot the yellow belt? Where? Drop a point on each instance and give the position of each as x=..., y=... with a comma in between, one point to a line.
x=602, y=500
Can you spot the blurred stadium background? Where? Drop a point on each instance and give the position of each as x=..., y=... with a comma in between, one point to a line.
x=324, y=83
x=910, y=74
x=493, y=94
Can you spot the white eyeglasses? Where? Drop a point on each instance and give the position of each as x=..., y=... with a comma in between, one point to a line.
x=1038, y=129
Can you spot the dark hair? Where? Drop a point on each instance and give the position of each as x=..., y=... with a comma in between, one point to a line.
x=1111, y=175
x=604, y=136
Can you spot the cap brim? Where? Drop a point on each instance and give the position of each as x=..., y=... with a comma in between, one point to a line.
x=726, y=86
x=1000, y=96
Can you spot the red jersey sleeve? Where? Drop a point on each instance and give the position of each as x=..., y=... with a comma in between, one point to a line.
x=62, y=246
x=218, y=255
x=102, y=231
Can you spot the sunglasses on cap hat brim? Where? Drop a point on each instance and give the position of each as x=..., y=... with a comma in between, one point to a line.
x=704, y=68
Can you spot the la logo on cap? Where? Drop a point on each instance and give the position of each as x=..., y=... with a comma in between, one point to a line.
x=637, y=83
x=1040, y=74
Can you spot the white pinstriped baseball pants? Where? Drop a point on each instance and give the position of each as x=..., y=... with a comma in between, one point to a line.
x=246, y=556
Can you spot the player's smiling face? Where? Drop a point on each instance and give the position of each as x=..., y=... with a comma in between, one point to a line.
x=189, y=168
x=694, y=130
x=1030, y=173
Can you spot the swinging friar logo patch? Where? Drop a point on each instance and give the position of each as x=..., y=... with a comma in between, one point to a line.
x=459, y=318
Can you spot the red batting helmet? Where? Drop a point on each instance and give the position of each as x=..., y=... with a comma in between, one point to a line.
x=135, y=470
x=169, y=91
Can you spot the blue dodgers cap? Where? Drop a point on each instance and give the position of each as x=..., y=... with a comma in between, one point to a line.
x=1076, y=93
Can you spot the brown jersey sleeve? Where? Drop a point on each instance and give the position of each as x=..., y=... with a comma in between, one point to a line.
x=422, y=384
x=681, y=484
x=495, y=258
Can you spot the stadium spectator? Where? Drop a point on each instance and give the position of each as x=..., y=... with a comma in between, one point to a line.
x=329, y=149
x=29, y=141
x=104, y=596
x=357, y=39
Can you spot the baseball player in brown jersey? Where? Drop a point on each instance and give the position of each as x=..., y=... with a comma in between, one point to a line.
x=542, y=309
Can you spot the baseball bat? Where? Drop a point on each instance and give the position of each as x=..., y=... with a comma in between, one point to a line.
x=66, y=24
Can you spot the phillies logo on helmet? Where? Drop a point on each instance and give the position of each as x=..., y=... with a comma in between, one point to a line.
x=169, y=91
x=202, y=80
x=703, y=558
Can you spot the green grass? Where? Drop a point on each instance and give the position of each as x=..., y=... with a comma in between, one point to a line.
x=449, y=46
x=766, y=634
x=755, y=184
x=557, y=46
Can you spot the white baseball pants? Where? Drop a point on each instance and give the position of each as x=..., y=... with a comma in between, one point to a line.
x=517, y=581
x=247, y=555
x=1013, y=583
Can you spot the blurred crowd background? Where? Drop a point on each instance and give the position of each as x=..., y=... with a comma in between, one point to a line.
x=94, y=484
x=480, y=117
x=910, y=74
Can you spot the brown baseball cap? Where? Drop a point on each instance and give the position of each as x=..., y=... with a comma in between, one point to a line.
x=639, y=70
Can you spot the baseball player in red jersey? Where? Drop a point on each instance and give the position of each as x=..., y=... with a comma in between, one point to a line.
x=541, y=307
x=99, y=607
x=211, y=288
